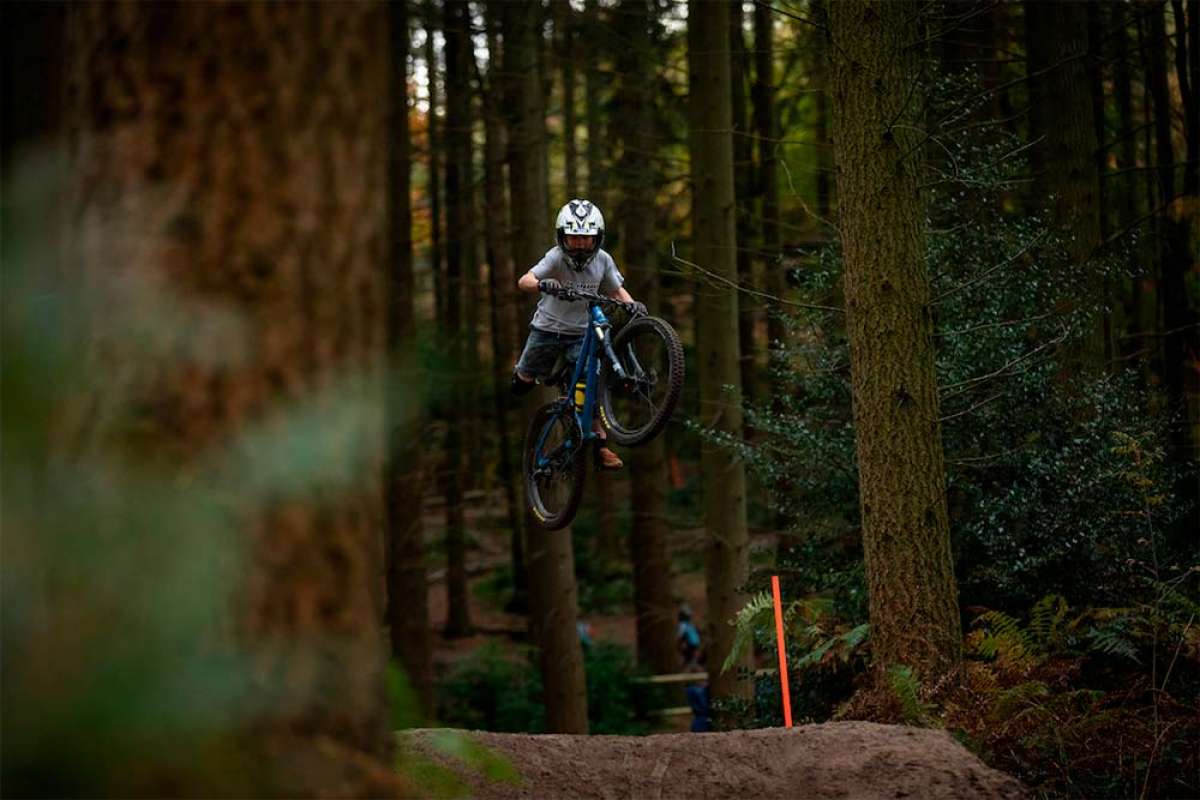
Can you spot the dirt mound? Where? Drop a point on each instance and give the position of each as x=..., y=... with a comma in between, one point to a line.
x=834, y=760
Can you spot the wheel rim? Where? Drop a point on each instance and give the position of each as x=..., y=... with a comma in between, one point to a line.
x=636, y=401
x=551, y=470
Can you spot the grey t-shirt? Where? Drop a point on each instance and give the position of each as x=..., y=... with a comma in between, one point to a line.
x=558, y=316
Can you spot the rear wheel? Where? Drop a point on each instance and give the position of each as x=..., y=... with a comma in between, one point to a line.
x=555, y=467
x=636, y=408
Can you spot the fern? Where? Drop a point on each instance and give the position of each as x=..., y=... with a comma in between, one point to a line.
x=1044, y=620
x=845, y=643
x=907, y=690
x=746, y=625
x=1019, y=700
x=1112, y=640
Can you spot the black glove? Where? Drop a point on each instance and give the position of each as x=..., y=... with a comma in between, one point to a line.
x=549, y=286
x=638, y=309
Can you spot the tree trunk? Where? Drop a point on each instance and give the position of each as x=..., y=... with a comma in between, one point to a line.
x=768, y=174
x=743, y=189
x=459, y=220
x=1061, y=115
x=902, y=483
x=553, y=603
x=608, y=545
x=1179, y=321
x=433, y=163
x=714, y=234
x=653, y=600
x=563, y=23
x=408, y=604
x=596, y=91
x=825, y=170
x=1187, y=38
x=502, y=293
x=186, y=189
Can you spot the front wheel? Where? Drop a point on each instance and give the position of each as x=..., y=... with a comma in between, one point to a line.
x=555, y=467
x=636, y=408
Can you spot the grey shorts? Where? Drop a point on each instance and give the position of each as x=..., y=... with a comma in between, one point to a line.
x=542, y=350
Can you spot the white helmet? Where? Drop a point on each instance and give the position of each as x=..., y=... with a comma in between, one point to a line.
x=579, y=218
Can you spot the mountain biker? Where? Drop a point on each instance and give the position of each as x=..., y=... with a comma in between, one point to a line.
x=557, y=327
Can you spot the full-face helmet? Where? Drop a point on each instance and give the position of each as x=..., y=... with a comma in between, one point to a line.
x=579, y=218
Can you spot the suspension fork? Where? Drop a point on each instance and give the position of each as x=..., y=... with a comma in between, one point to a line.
x=606, y=343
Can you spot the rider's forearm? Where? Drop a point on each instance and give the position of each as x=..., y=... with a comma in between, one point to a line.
x=528, y=283
x=622, y=295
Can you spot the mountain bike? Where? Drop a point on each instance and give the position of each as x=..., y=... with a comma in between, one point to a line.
x=632, y=378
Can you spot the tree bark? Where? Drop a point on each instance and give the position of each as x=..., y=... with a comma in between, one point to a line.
x=877, y=111
x=564, y=25
x=596, y=89
x=743, y=189
x=408, y=604
x=459, y=222
x=714, y=234
x=1187, y=31
x=653, y=600
x=553, y=603
x=1179, y=321
x=502, y=292
x=433, y=163
x=186, y=188
x=1061, y=115
x=768, y=173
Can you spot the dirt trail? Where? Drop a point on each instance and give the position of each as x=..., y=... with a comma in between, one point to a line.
x=833, y=760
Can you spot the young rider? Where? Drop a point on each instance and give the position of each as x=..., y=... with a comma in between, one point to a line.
x=577, y=262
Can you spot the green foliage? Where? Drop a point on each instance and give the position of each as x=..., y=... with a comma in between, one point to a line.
x=614, y=697
x=492, y=690
x=907, y=691
x=1079, y=704
x=823, y=653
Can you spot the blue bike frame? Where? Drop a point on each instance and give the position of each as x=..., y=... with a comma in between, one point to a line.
x=586, y=378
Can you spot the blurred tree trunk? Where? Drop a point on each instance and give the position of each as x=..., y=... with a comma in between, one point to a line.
x=1187, y=75
x=502, y=293
x=714, y=234
x=1095, y=73
x=653, y=600
x=407, y=595
x=609, y=548
x=459, y=222
x=553, y=603
x=596, y=89
x=743, y=190
x=766, y=128
x=433, y=163
x=1138, y=301
x=205, y=190
x=564, y=25
x=825, y=169
x=1061, y=120
x=906, y=537
x=1180, y=339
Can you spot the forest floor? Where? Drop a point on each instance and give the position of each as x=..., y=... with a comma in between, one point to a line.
x=832, y=760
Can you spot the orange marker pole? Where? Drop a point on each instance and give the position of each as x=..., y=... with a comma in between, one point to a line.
x=783, y=675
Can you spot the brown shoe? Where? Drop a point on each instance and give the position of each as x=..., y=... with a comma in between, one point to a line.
x=608, y=460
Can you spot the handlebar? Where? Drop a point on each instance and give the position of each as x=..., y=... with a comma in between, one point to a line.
x=571, y=294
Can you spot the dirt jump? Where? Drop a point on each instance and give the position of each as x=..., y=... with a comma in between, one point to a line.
x=833, y=760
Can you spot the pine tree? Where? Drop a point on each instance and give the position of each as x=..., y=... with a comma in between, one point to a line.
x=407, y=592
x=876, y=61
x=714, y=233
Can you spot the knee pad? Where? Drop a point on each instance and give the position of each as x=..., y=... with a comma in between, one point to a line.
x=520, y=387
